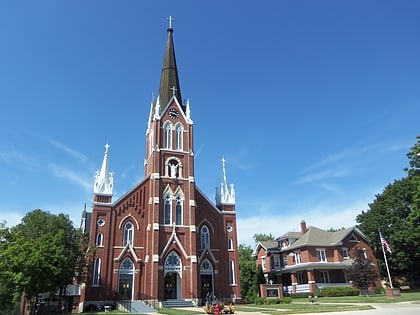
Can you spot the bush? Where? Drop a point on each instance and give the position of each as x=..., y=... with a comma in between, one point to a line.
x=338, y=291
x=287, y=300
x=379, y=290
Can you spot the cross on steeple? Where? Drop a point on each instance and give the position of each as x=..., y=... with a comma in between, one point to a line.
x=174, y=89
x=170, y=21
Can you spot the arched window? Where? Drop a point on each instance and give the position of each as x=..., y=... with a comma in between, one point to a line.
x=231, y=272
x=96, y=271
x=128, y=233
x=205, y=237
x=168, y=135
x=167, y=209
x=230, y=244
x=99, y=240
x=178, y=210
x=179, y=137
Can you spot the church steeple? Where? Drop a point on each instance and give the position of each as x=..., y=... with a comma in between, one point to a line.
x=104, y=181
x=169, y=82
x=224, y=195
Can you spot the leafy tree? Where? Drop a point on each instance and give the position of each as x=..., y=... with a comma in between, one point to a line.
x=42, y=254
x=247, y=269
x=7, y=304
x=389, y=213
x=362, y=273
x=414, y=175
x=263, y=237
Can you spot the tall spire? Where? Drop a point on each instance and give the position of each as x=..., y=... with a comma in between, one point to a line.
x=104, y=181
x=169, y=82
x=224, y=195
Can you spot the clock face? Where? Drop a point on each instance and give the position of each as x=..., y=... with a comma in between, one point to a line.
x=173, y=113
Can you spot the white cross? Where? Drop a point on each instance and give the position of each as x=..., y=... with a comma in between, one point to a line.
x=170, y=21
x=174, y=89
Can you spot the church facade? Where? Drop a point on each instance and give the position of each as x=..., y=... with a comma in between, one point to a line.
x=163, y=239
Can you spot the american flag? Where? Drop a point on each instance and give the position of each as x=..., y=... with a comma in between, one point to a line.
x=385, y=243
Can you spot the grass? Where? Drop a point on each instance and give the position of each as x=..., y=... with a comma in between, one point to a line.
x=302, y=305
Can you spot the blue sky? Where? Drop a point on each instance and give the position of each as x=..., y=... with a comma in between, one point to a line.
x=313, y=104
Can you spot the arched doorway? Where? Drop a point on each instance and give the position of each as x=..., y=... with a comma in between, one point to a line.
x=125, y=279
x=206, y=280
x=173, y=275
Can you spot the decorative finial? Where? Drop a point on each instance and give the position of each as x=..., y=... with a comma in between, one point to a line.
x=106, y=147
x=174, y=89
x=170, y=21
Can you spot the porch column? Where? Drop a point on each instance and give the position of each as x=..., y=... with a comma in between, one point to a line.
x=294, y=282
x=311, y=281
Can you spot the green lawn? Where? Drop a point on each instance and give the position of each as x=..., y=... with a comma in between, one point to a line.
x=302, y=305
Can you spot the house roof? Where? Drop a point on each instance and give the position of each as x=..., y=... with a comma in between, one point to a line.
x=317, y=237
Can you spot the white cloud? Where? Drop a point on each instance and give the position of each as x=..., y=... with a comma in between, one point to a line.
x=76, y=154
x=72, y=176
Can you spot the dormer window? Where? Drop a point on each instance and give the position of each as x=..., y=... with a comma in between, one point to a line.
x=353, y=238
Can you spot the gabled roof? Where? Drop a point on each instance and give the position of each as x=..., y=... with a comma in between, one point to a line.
x=267, y=246
x=289, y=235
x=317, y=237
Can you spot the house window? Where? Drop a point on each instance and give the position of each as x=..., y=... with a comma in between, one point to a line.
x=96, y=271
x=353, y=238
x=322, y=257
x=231, y=272
x=230, y=244
x=167, y=209
x=99, y=240
x=179, y=138
x=128, y=234
x=263, y=265
x=167, y=135
x=178, y=210
x=298, y=259
x=300, y=277
x=277, y=261
x=205, y=237
x=325, y=277
x=345, y=252
x=285, y=260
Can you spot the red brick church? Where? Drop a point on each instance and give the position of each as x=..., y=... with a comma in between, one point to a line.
x=164, y=239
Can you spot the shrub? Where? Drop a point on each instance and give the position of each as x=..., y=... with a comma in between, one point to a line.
x=287, y=300
x=339, y=291
x=379, y=290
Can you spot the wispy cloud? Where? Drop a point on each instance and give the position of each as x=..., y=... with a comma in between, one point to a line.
x=324, y=174
x=75, y=154
x=71, y=175
x=16, y=158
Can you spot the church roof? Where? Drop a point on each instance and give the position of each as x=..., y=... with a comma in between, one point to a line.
x=169, y=82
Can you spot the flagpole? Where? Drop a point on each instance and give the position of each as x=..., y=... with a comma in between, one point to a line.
x=386, y=261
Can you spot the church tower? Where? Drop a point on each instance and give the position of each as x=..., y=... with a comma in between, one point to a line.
x=163, y=240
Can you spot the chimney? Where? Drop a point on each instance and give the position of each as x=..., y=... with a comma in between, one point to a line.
x=303, y=228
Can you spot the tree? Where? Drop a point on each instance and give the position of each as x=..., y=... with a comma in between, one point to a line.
x=389, y=213
x=42, y=254
x=414, y=175
x=362, y=273
x=7, y=304
x=247, y=269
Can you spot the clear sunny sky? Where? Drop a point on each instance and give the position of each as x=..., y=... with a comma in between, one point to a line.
x=313, y=104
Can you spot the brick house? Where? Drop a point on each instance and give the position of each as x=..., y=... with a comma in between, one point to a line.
x=312, y=258
x=163, y=240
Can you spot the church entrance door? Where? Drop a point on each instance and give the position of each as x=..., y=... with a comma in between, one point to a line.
x=125, y=279
x=171, y=285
